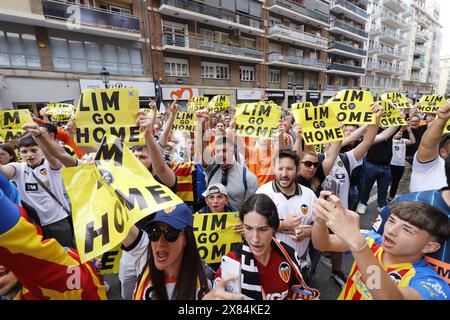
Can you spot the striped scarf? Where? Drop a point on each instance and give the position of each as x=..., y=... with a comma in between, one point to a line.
x=250, y=280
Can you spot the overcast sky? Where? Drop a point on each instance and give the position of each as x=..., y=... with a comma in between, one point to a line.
x=444, y=19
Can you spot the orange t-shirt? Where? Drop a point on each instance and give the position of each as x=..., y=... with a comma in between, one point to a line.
x=260, y=163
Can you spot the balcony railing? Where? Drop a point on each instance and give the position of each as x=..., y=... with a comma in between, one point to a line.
x=91, y=16
x=297, y=35
x=345, y=47
x=422, y=35
x=300, y=9
x=392, y=34
x=348, y=27
x=346, y=68
x=418, y=64
x=419, y=49
x=350, y=6
x=278, y=57
x=223, y=14
x=383, y=13
x=396, y=3
x=391, y=51
x=200, y=43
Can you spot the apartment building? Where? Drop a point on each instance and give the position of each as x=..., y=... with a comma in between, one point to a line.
x=389, y=21
x=423, y=50
x=50, y=50
x=444, y=76
x=347, y=44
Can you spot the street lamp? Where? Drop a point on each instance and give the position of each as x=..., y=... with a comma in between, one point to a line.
x=105, y=77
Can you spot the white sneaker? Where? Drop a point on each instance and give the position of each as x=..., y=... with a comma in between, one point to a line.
x=361, y=209
x=379, y=209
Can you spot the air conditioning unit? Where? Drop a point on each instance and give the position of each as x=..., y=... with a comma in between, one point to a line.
x=237, y=33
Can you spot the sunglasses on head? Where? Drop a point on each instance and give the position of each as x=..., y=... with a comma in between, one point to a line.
x=170, y=234
x=310, y=164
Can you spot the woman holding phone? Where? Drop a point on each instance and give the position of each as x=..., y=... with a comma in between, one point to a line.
x=269, y=268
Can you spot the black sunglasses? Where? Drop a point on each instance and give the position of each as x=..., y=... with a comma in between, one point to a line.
x=310, y=164
x=170, y=234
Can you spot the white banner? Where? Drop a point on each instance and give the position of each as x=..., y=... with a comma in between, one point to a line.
x=249, y=94
x=146, y=89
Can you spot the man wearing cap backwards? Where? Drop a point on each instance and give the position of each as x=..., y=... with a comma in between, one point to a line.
x=166, y=256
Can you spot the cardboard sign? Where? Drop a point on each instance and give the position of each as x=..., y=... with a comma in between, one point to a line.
x=258, y=119
x=397, y=99
x=219, y=104
x=301, y=105
x=319, y=125
x=110, y=196
x=431, y=104
x=11, y=122
x=214, y=234
x=107, y=111
x=391, y=116
x=197, y=103
x=111, y=261
x=185, y=121
x=61, y=113
x=353, y=107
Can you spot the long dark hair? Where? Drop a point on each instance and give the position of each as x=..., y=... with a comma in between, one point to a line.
x=191, y=269
x=10, y=149
x=263, y=205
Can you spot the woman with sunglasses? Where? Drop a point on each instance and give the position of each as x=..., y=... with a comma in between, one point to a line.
x=166, y=257
x=270, y=269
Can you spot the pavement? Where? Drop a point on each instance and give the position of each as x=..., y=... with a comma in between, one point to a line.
x=322, y=281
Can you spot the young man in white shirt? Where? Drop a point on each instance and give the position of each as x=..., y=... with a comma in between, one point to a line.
x=293, y=201
x=428, y=170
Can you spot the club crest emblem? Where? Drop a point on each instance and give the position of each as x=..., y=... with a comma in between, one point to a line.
x=304, y=209
x=169, y=210
x=43, y=172
x=285, y=271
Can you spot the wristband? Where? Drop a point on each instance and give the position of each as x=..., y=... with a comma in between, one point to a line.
x=358, y=250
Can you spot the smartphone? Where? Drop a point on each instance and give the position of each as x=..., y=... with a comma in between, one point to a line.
x=231, y=267
x=333, y=185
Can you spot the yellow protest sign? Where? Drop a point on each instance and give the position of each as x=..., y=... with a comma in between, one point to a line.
x=431, y=104
x=319, y=125
x=301, y=105
x=258, y=119
x=318, y=148
x=185, y=121
x=219, y=103
x=107, y=111
x=11, y=122
x=110, y=196
x=214, y=234
x=197, y=103
x=62, y=114
x=391, y=116
x=353, y=107
x=111, y=261
x=397, y=99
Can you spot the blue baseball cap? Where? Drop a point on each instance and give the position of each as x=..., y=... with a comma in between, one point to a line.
x=178, y=217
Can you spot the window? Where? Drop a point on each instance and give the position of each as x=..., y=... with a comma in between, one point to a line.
x=19, y=50
x=313, y=80
x=115, y=9
x=212, y=70
x=247, y=73
x=176, y=67
x=247, y=42
x=174, y=34
x=274, y=76
x=91, y=57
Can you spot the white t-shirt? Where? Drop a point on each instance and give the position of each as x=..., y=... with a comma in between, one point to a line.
x=48, y=210
x=398, y=152
x=299, y=204
x=339, y=172
x=427, y=176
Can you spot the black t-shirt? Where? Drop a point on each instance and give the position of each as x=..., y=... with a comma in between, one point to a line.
x=381, y=153
x=418, y=133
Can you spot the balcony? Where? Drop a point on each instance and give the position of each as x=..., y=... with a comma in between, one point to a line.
x=339, y=68
x=193, y=10
x=419, y=50
x=415, y=78
x=392, y=37
x=375, y=48
x=418, y=64
x=295, y=62
x=284, y=34
x=298, y=12
x=346, y=50
x=350, y=10
x=375, y=30
x=397, y=6
x=93, y=19
x=196, y=45
x=373, y=65
x=421, y=37
x=390, y=53
x=349, y=30
x=424, y=21
x=391, y=19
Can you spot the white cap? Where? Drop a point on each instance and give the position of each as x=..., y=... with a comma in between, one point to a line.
x=215, y=188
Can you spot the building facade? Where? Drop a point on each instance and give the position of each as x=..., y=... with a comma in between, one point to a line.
x=444, y=76
x=51, y=50
x=423, y=50
x=389, y=21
